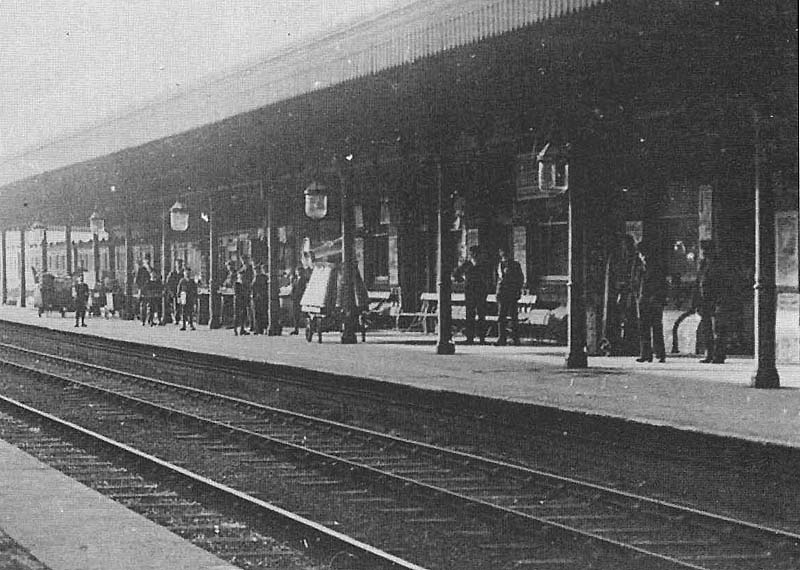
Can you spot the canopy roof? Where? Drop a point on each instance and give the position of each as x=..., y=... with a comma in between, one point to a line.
x=393, y=39
x=619, y=61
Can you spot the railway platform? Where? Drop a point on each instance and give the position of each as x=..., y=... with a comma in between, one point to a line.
x=49, y=521
x=67, y=526
x=681, y=393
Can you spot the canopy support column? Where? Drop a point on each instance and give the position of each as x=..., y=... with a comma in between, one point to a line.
x=68, y=248
x=3, y=269
x=22, y=281
x=444, y=344
x=576, y=357
x=766, y=374
x=273, y=247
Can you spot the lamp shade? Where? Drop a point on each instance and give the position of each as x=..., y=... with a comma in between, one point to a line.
x=316, y=201
x=96, y=223
x=179, y=217
x=553, y=170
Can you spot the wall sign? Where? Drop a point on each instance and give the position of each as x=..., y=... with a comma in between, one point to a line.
x=786, y=258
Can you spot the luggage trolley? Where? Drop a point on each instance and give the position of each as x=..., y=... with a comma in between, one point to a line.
x=322, y=304
x=53, y=294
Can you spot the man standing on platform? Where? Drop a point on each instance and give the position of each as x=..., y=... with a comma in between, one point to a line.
x=651, y=294
x=509, y=289
x=142, y=279
x=248, y=275
x=187, y=297
x=241, y=301
x=81, y=295
x=260, y=299
x=173, y=307
x=476, y=286
x=711, y=282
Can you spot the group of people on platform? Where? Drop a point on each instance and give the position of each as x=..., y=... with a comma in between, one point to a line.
x=161, y=302
x=636, y=307
x=634, y=312
x=510, y=280
x=250, y=286
x=646, y=293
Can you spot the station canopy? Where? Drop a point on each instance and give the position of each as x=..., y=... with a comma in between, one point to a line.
x=70, y=175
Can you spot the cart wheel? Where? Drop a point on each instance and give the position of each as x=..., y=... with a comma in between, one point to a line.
x=40, y=311
x=63, y=312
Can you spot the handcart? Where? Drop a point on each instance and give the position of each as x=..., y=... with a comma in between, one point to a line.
x=53, y=293
x=322, y=300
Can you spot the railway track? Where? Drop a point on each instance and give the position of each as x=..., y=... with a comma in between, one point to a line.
x=500, y=514
x=109, y=468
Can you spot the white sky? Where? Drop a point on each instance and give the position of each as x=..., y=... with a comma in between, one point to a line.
x=68, y=63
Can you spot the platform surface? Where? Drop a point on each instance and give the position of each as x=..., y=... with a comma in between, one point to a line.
x=710, y=398
x=68, y=526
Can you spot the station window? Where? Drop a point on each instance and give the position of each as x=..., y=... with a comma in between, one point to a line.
x=552, y=249
x=381, y=244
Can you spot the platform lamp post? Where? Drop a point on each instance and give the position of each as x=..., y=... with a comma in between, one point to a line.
x=553, y=165
x=316, y=208
x=214, y=301
x=128, y=312
x=97, y=225
x=349, y=325
x=178, y=222
x=444, y=344
x=274, y=327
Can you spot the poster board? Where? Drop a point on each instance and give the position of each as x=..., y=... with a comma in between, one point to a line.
x=321, y=288
x=786, y=247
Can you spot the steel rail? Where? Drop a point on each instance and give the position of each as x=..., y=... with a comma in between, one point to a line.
x=404, y=481
x=489, y=463
x=262, y=507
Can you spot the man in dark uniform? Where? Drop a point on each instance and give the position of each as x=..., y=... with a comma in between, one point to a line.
x=248, y=274
x=153, y=292
x=299, y=282
x=710, y=304
x=260, y=299
x=651, y=293
x=509, y=289
x=142, y=279
x=240, y=303
x=476, y=286
x=187, y=297
x=81, y=295
x=173, y=308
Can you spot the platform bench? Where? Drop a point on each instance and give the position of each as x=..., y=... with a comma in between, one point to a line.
x=383, y=305
x=429, y=304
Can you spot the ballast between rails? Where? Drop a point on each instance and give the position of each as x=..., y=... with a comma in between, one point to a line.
x=231, y=429
x=378, y=556
x=391, y=439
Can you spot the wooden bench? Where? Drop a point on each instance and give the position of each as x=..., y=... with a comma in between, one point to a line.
x=528, y=313
x=427, y=310
x=383, y=305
